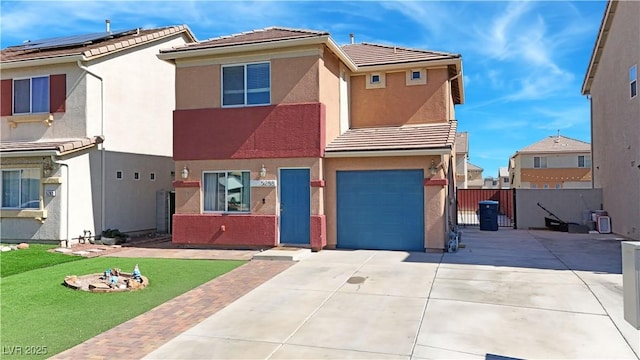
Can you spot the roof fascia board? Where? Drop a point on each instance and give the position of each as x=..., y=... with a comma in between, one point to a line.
x=133, y=47
x=386, y=153
x=231, y=49
x=249, y=57
x=42, y=62
x=409, y=65
x=29, y=153
x=603, y=32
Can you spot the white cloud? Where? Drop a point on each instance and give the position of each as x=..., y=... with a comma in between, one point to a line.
x=576, y=117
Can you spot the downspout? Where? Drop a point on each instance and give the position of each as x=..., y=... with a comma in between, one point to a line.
x=102, y=149
x=450, y=92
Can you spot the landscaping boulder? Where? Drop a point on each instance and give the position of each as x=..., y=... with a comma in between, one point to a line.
x=23, y=246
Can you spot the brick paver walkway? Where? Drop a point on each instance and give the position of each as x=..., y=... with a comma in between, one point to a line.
x=147, y=332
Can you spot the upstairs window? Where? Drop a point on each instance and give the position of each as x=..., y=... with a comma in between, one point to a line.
x=31, y=95
x=416, y=77
x=375, y=81
x=247, y=84
x=539, y=162
x=21, y=188
x=584, y=161
x=633, y=81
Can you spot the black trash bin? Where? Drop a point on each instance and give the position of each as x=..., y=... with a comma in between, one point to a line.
x=488, y=213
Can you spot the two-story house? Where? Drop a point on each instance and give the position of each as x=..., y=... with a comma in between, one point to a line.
x=281, y=136
x=555, y=162
x=611, y=82
x=86, y=133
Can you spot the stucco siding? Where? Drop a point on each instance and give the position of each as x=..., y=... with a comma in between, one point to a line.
x=139, y=97
x=615, y=123
x=330, y=94
x=554, y=160
x=398, y=104
x=130, y=204
x=68, y=124
x=293, y=80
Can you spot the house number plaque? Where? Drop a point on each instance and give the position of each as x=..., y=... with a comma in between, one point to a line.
x=264, y=183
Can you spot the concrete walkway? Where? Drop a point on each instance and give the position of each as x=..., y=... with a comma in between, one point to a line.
x=510, y=293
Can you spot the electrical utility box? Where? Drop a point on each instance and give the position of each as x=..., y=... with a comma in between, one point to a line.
x=631, y=282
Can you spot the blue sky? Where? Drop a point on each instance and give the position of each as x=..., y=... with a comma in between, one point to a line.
x=524, y=61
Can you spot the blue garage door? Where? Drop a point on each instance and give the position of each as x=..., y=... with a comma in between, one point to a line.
x=381, y=209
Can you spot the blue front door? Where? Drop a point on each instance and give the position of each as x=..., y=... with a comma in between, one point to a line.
x=295, y=206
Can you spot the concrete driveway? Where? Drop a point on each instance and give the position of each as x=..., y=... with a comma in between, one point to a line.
x=507, y=294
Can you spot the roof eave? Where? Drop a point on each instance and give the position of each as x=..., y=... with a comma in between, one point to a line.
x=29, y=153
x=174, y=54
x=601, y=39
x=16, y=64
x=386, y=153
x=408, y=64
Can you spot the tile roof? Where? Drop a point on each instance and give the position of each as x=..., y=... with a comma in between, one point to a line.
x=409, y=137
x=462, y=142
x=270, y=34
x=118, y=41
x=472, y=167
x=367, y=54
x=61, y=146
x=555, y=144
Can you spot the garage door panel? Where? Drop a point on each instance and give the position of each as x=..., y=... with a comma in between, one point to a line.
x=381, y=209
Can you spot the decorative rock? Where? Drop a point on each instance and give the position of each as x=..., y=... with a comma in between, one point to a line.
x=98, y=286
x=14, y=247
x=23, y=246
x=5, y=249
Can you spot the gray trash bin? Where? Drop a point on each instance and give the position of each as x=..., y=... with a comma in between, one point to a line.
x=488, y=213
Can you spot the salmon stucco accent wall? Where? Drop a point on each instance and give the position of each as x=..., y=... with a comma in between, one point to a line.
x=249, y=132
x=293, y=80
x=398, y=104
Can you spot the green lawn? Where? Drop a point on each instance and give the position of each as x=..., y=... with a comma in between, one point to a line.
x=35, y=257
x=37, y=310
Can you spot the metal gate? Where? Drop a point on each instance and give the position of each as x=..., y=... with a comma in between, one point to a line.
x=467, y=203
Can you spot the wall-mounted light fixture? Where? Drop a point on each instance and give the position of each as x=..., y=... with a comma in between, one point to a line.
x=263, y=171
x=185, y=172
x=433, y=169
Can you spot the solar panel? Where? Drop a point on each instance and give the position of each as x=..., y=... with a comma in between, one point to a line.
x=66, y=41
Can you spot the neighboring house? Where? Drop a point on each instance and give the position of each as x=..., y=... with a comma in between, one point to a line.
x=281, y=136
x=503, y=178
x=491, y=183
x=462, y=160
x=86, y=133
x=555, y=162
x=611, y=82
x=475, y=180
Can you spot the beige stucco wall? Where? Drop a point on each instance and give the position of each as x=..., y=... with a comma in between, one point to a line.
x=139, y=98
x=567, y=204
x=295, y=78
x=434, y=196
x=189, y=199
x=399, y=104
x=615, y=126
x=72, y=123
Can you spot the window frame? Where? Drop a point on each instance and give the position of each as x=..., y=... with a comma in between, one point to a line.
x=586, y=161
x=370, y=84
x=633, y=81
x=20, y=202
x=244, y=89
x=152, y=176
x=540, y=162
x=119, y=174
x=226, y=210
x=30, y=78
x=421, y=80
